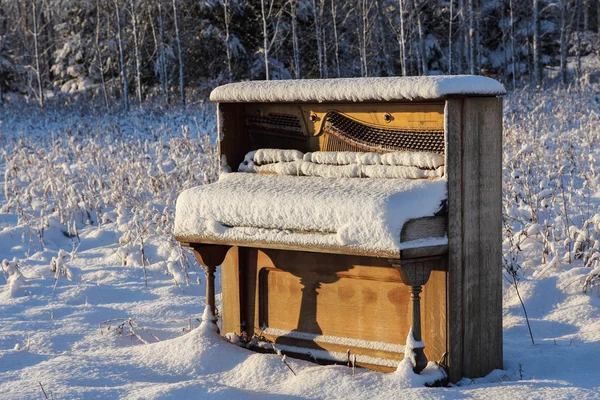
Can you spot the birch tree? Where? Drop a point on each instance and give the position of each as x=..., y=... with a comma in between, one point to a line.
x=36, y=54
x=179, y=55
x=162, y=58
x=422, y=48
x=136, y=47
x=335, y=38
x=293, y=12
x=537, y=72
x=100, y=63
x=225, y=4
x=563, y=40
x=317, y=15
x=122, y=66
x=401, y=36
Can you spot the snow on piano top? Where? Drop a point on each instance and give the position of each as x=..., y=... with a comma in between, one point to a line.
x=364, y=213
x=358, y=89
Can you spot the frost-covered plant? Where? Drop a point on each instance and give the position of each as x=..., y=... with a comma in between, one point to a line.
x=551, y=182
x=113, y=169
x=13, y=275
x=59, y=267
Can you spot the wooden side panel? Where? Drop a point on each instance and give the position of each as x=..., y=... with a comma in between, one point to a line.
x=490, y=227
x=233, y=137
x=454, y=170
x=421, y=228
x=230, y=288
x=474, y=236
x=471, y=237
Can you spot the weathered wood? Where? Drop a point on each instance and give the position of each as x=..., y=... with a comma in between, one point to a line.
x=420, y=228
x=471, y=235
x=234, y=141
x=474, y=171
x=454, y=170
x=490, y=228
x=332, y=249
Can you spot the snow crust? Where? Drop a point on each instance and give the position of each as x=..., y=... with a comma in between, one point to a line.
x=306, y=168
x=365, y=213
x=358, y=89
x=345, y=164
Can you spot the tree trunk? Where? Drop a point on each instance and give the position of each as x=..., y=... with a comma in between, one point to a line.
x=461, y=46
x=37, y=56
x=2, y=43
x=138, y=79
x=422, y=49
x=179, y=55
x=512, y=46
x=99, y=55
x=402, y=37
x=227, y=21
x=537, y=71
x=122, y=58
x=450, y=38
x=578, y=4
x=265, y=38
x=471, y=39
x=161, y=55
x=335, y=38
x=318, y=36
x=563, y=41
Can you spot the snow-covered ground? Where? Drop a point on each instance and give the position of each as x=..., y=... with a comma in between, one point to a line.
x=114, y=320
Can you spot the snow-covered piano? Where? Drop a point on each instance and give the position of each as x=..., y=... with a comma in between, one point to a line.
x=340, y=201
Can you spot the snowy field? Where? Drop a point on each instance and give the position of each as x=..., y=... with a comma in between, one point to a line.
x=101, y=302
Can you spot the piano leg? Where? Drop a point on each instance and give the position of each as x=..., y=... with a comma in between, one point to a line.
x=210, y=256
x=415, y=274
x=420, y=358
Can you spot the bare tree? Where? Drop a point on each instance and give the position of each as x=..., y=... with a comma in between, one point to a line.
x=100, y=63
x=295, y=44
x=512, y=45
x=563, y=40
x=422, y=49
x=162, y=58
x=267, y=13
x=3, y=36
x=136, y=47
x=402, y=37
x=537, y=72
x=317, y=21
x=578, y=6
x=450, y=38
x=36, y=54
x=471, y=38
x=179, y=55
x=122, y=67
x=265, y=16
x=335, y=37
x=227, y=21
x=363, y=30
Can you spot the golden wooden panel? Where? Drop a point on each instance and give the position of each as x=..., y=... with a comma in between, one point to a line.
x=422, y=116
x=327, y=294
